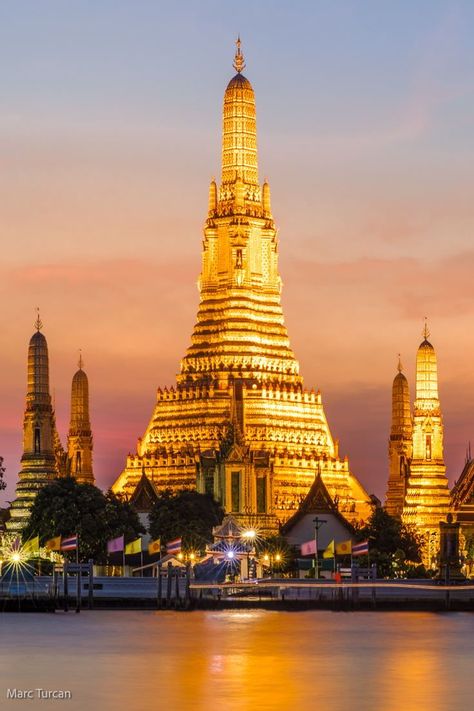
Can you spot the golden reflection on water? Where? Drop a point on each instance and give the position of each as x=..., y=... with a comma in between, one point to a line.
x=229, y=661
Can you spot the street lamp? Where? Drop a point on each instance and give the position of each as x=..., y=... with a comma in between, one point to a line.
x=318, y=522
x=249, y=536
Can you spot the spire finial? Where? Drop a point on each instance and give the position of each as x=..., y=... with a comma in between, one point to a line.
x=426, y=330
x=38, y=322
x=81, y=361
x=239, y=62
x=400, y=366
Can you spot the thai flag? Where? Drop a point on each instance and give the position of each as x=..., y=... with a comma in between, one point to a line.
x=174, y=546
x=69, y=544
x=361, y=548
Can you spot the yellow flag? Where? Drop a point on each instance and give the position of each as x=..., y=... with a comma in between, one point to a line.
x=32, y=546
x=344, y=548
x=134, y=547
x=54, y=544
x=154, y=547
x=329, y=552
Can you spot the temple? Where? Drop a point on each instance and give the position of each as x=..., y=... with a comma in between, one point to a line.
x=239, y=423
x=42, y=452
x=427, y=498
x=79, y=441
x=418, y=490
x=400, y=444
x=44, y=457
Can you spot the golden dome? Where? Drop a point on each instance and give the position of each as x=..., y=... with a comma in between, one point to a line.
x=38, y=365
x=401, y=413
x=80, y=401
x=426, y=377
x=239, y=82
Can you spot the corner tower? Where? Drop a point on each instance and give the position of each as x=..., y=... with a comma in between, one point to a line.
x=79, y=441
x=427, y=499
x=40, y=442
x=400, y=445
x=239, y=424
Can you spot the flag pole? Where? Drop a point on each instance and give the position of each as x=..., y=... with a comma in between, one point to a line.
x=123, y=558
x=78, y=575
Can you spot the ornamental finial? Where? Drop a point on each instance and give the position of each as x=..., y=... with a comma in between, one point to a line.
x=239, y=62
x=81, y=361
x=426, y=330
x=38, y=322
x=400, y=366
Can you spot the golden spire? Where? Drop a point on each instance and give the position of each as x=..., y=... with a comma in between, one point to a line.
x=81, y=361
x=239, y=135
x=400, y=366
x=38, y=322
x=239, y=62
x=426, y=330
x=426, y=374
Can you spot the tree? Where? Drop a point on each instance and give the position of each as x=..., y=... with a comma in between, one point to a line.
x=187, y=515
x=3, y=483
x=65, y=507
x=393, y=545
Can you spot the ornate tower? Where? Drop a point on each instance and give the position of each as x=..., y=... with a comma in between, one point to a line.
x=427, y=499
x=79, y=441
x=400, y=445
x=39, y=463
x=239, y=424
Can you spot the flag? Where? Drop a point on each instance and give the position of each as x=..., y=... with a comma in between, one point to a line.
x=69, y=543
x=361, y=548
x=308, y=548
x=329, y=552
x=115, y=545
x=134, y=547
x=344, y=548
x=174, y=546
x=154, y=547
x=32, y=546
x=54, y=544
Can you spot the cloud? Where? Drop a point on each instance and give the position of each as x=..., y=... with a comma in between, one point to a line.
x=443, y=287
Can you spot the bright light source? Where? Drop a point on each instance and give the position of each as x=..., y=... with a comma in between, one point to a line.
x=15, y=558
x=266, y=557
x=191, y=556
x=249, y=534
x=180, y=556
x=230, y=554
x=278, y=556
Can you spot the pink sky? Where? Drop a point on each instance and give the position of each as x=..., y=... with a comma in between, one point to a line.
x=103, y=195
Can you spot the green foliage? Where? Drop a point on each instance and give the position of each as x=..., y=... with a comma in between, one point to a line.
x=187, y=515
x=393, y=546
x=65, y=507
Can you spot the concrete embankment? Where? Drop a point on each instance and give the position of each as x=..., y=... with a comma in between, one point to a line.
x=285, y=594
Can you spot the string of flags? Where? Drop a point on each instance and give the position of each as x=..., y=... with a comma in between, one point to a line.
x=334, y=549
x=115, y=545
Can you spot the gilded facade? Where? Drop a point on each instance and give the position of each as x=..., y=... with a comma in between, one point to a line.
x=239, y=423
x=400, y=445
x=418, y=489
x=79, y=441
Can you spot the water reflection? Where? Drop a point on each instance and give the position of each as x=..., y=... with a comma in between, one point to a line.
x=138, y=661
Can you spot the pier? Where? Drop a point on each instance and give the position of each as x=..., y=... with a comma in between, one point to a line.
x=177, y=591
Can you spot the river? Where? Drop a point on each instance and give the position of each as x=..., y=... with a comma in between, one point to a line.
x=229, y=661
